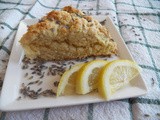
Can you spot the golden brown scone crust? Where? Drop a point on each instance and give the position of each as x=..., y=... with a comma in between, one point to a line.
x=67, y=34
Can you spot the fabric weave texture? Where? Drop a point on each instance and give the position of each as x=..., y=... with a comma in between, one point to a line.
x=138, y=21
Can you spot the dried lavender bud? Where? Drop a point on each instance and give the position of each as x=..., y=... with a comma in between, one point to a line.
x=56, y=83
x=66, y=26
x=30, y=83
x=19, y=98
x=146, y=115
x=28, y=88
x=39, y=90
x=41, y=20
x=3, y=60
x=2, y=27
x=33, y=95
x=42, y=75
x=1, y=83
x=103, y=22
x=57, y=22
x=153, y=82
x=37, y=81
x=98, y=13
x=158, y=114
x=24, y=66
x=38, y=73
x=26, y=74
x=112, y=40
x=89, y=20
x=33, y=72
x=32, y=68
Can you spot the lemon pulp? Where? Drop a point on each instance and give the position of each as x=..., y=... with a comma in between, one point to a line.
x=115, y=75
x=68, y=81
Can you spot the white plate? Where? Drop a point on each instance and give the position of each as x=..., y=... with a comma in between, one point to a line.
x=15, y=76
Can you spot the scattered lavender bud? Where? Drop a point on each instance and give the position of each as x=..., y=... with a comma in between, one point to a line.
x=2, y=27
x=158, y=114
x=146, y=115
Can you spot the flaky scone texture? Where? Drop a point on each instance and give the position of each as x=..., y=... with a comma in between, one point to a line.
x=65, y=35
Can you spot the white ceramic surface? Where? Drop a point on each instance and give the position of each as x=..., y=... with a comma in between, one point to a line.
x=14, y=78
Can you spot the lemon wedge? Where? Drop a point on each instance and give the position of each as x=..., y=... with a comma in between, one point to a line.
x=87, y=76
x=68, y=80
x=115, y=75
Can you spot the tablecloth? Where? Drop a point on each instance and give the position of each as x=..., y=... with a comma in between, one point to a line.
x=138, y=22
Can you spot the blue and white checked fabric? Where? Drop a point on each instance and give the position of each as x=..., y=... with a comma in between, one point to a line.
x=139, y=24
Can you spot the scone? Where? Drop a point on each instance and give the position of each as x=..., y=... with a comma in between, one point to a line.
x=67, y=34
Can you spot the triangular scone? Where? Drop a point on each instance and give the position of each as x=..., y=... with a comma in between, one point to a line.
x=67, y=34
